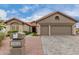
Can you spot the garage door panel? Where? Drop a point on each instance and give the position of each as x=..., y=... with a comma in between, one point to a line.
x=61, y=30
x=44, y=30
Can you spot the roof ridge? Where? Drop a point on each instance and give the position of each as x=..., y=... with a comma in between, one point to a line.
x=52, y=13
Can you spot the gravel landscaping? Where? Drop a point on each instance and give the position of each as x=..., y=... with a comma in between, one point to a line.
x=60, y=45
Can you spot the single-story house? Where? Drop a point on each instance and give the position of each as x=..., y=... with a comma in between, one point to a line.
x=56, y=23
x=17, y=25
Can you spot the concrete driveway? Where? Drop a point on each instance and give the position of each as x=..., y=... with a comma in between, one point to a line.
x=59, y=45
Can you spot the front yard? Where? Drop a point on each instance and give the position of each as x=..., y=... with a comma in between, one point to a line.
x=46, y=45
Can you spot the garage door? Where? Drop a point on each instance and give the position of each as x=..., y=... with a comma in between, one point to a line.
x=44, y=30
x=61, y=30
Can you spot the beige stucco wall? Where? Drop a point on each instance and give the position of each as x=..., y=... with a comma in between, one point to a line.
x=26, y=28
x=22, y=27
x=38, y=29
x=7, y=28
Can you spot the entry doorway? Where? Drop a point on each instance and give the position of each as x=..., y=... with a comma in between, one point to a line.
x=34, y=29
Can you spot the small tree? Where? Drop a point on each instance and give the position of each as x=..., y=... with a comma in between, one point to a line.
x=2, y=25
x=2, y=35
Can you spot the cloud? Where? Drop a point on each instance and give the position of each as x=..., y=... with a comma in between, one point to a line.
x=13, y=14
x=24, y=9
x=77, y=5
x=13, y=11
x=73, y=12
x=3, y=14
x=38, y=14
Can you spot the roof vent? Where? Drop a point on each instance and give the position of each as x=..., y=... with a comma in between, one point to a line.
x=56, y=17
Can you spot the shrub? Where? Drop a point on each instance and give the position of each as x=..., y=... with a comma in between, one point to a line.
x=10, y=32
x=26, y=33
x=2, y=35
x=34, y=34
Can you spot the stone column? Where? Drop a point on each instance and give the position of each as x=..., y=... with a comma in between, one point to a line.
x=38, y=29
x=74, y=29
x=49, y=30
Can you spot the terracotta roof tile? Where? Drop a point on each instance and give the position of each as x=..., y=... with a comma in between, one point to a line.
x=31, y=23
x=17, y=20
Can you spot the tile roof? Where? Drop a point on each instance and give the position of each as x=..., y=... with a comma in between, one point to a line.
x=17, y=20
x=56, y=13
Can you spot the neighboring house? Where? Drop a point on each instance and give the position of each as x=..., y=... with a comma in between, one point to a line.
x=17, y=25
x=77, y=28
x=56, y=23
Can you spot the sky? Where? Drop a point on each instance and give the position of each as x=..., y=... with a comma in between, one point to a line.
x=31, y=12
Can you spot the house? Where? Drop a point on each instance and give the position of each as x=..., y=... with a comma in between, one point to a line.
x=56, y=23
x=17, y=25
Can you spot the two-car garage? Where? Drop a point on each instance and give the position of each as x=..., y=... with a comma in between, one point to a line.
x=56, y=24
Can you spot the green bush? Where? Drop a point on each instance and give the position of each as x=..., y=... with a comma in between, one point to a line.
x=10, y=32
x=2, y=35
x=27, y=33
x=34, y=34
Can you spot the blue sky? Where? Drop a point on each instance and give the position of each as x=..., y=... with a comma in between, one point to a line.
x=30, y=12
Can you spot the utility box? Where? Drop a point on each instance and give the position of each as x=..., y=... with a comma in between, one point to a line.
x=17, y=39
x=17, y=36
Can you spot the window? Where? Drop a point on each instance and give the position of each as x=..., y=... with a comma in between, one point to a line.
x=14, y=26
x=56, y=17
